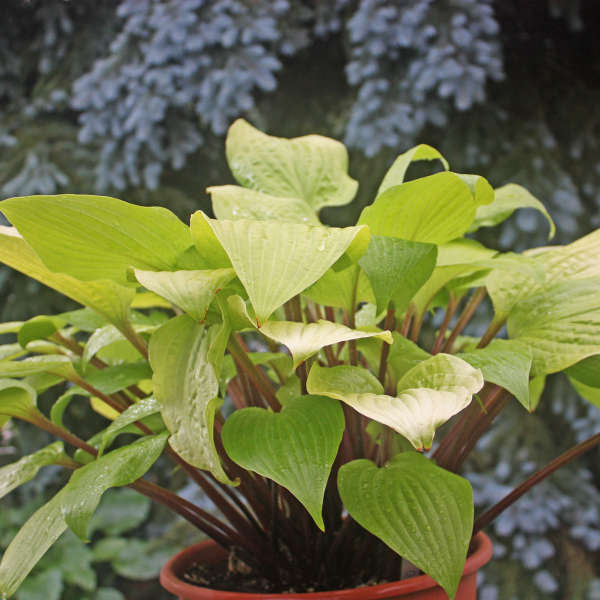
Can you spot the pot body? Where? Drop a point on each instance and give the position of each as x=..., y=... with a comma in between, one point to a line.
x=415, y=588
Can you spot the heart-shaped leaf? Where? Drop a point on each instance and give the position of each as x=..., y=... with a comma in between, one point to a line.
x=191, y=291
x=25, y=469
x=312, y=167
x=97, y=237
x=422, y=512
x=395, y=174
x=428, y=395
x=275, y=261
x=186, y=388
x=507, y=199
x=397, y=269
x=233, y=202
x=295, y=448
x=434, y=209
x=506, y=363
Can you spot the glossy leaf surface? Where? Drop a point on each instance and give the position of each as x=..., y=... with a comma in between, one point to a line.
x=423, y=512
x=296, y=447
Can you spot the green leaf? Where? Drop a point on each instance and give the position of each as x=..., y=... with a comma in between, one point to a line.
x=136, y=412
x=586, y=371
x=336, y=288
x=395, y=174
x=433, y=209
x=186, y=387
x=572, y=262
x=507, y=199
x=536, y=389
x=120, y=467
x=32, y=541
x=295, y=448
x=38, y=328
x=589, y=393
x=25, y=469
x=419, y=510
x=55, y=364
x=18, y=399
x=397, y=269
x=404, y=355
x=191, y=291
x=107, y=298
x=506, y=363
x=313, y=168
x=11, y=351
x=276, y=261
x=232, y=202
x=60, y=406
x=482, y=191
x=560, y=324
x=306, y=339
x=102, y=337
x=97, y=237
x=428, y=395
x=118, y=377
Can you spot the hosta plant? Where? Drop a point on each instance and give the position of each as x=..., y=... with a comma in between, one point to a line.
x=281, y=364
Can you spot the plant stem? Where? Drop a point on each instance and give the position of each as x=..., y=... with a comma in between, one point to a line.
x=534, y=479
x=416, y=326
x=404, y=328
x=493, y=329
x=465, y=317
x=138, y=342
x=389, y=324
x=256, y=375
x=493, y=407
x=450, y=310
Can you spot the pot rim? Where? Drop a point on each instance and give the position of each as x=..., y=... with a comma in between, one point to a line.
x=170, y=579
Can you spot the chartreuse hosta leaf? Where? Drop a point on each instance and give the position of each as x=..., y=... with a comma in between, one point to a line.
x=295, y=448
x=507, y=199
x=428, y=394
x=73, y=506
x=25, y=469
x=422, y=512
x=506, y=363
x=233, y=202
x=275, y=261
x=96, y=237
x=109, y=299
x=572, y=262
x=312, y=167
x=306, y=339
x=186, y=388
x=395, y=174
x=302, y=339
x=433, y=209
x=560, y=324
x=191, y=291
x=397, y=269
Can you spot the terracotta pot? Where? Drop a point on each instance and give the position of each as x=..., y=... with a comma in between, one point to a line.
x=415, y=588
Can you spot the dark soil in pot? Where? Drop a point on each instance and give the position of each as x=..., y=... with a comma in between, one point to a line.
x=202, y=572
